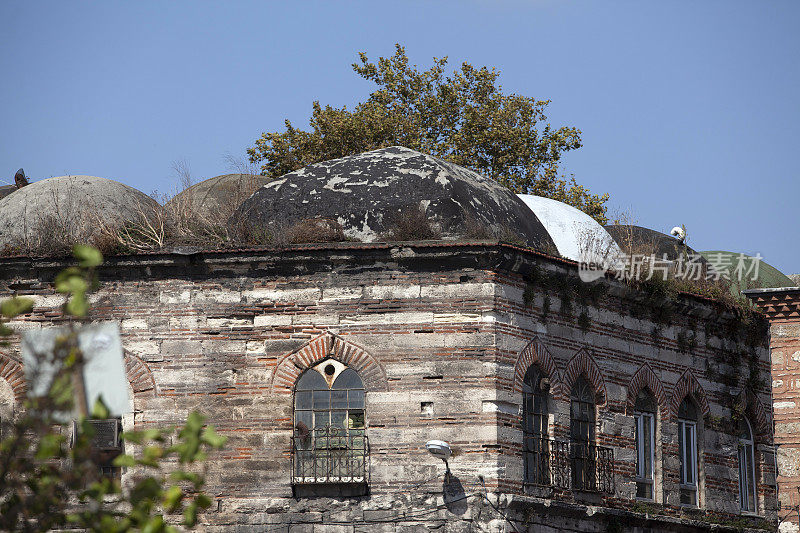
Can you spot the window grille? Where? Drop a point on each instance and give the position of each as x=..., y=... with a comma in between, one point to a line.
x=329, y=442
x=535, y=388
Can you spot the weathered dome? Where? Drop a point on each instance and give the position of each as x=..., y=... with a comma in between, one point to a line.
x=577, y=236
x=766, y=276
x=366, y=193
x=5, y=190
x=639, y=240
x=71, y=205
x=217, y=196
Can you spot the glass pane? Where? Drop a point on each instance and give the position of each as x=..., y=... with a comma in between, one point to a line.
x=322, y=399
x=647, y=431
x=348, y=379
x=311, y=379
x=338, y=419
x=682, y=451
x=637, y=422
x=644, y=490
x=322, y=419
x=690, y=467
x=356, y=399
x=744, y=430
x=302, y=400
x=305, y=418
x=339, y=399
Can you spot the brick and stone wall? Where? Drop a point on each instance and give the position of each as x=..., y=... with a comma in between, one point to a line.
x=441, y=335
x=782, y=307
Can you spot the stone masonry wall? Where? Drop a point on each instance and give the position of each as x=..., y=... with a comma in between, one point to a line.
x=441, y=335
x=782, y=307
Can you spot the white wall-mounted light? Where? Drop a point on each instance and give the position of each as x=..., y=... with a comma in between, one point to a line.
x=439, y=448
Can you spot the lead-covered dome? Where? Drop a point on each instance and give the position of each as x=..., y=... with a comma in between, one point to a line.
x=746, y=272
x=75, y=207
x=366, y=193
x=218, y=196
x=637, y=240
x=577, y=236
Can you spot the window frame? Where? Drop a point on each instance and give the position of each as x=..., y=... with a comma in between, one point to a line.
x=641, y=459
x=688, y=464
x=582, y=443
x=745, y=445
x=330, y=446
x=535, y=428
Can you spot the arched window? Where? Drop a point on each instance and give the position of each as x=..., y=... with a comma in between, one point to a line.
x=644, y=416
x=747, y=468
x=687, y=451
x=581, y=427
x=329, y=423
x=536, y=449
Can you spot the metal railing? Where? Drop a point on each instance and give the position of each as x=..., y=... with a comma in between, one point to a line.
x=577, y=466
x=330, y=455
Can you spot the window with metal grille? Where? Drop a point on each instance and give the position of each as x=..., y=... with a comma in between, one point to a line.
x=329, y=443
x=582, y=427
x=535, y=391
x=747, y=468
x=644, y=419
x=105, y=445
x=687, y=451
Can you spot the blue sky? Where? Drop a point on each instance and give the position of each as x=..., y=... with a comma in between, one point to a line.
x=689, y=110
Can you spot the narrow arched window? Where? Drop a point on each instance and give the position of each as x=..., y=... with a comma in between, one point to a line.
x=330, y=445
x=644, y=416
x=747, y=468
x=535, y=391
x=687, y=451
x=581, y=426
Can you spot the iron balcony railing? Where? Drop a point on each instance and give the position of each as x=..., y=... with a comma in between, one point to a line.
x=330, y=455
x=577, y=466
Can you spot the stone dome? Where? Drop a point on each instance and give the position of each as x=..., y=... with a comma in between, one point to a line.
x=577, y=236
x=74, y=205
x=5, y=190
x=639, y=240
x=366, y=193
x=217, y=196
x=766, y=276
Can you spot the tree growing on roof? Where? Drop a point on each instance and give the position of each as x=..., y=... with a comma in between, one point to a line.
x=463, y=117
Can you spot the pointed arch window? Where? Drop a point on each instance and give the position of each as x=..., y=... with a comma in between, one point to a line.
x=747, y=469
x=644, y=416
x=687, y=451
x=582, y=428
x=536, y=450
x=330, y=445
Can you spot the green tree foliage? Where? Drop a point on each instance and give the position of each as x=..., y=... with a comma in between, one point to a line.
x=47, y=482
x=462, y=117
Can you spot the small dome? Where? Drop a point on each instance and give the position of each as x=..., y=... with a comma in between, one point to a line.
x=218, y=196
x=577, y=236
x=639, y=240
x=366, y=193
x=74, y=206
x=766, y=276
x=5, y=190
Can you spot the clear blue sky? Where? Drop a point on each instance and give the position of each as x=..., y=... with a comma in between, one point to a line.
x=689, y=110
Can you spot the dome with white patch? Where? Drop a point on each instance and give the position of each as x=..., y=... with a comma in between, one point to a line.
x=367, y=193
x=577, y=236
